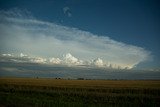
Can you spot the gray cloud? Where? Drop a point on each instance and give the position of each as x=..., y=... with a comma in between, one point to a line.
x=67, y=11
x=38, y=38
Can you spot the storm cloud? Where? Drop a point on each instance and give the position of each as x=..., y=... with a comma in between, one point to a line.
x=37, y=38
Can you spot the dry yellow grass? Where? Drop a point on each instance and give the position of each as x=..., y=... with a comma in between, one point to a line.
x=44, y=92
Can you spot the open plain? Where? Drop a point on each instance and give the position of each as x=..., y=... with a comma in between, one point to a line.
x=42, y=92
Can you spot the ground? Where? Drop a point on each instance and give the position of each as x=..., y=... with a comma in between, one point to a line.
x=42, y=92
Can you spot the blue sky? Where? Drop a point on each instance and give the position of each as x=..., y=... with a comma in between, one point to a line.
x=133, y=22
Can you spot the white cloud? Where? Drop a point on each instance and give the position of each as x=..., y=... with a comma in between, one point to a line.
x=67, y=59
x=8, y=55
x=55, y=61
x=45, y=39
x=71, y=60
x=39, y=60
x=23, y=55
x=67, y=11
x=22, y=58
x=98, y=62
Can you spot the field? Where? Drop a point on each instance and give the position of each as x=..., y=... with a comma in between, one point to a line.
x=38, y=92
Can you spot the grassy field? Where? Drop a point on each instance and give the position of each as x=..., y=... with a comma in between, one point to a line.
x=32, y=92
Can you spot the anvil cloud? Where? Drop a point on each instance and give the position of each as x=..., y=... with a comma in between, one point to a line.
x=37, y=38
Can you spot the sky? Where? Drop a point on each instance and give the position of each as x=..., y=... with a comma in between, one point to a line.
x=112, y=34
